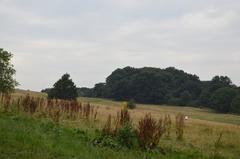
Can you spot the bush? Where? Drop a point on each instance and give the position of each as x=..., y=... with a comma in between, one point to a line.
x=122, y=136
x=149, y=132
x=105, y=141
x=131, y=104
x=125, y=136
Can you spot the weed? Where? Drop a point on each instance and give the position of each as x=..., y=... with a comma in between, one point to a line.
x=180, y=126
x=149, y=132
x=167, y=124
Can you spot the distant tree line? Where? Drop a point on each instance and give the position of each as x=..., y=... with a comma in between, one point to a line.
x=168, y=86
x=148, y=85
x=144, y=85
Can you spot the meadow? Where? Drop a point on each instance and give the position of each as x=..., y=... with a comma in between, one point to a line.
x=37, y=135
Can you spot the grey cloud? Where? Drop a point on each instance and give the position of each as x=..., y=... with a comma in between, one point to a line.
x=89, y=39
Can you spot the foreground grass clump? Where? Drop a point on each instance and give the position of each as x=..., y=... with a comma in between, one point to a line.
x=149, y=132
x=22, y=136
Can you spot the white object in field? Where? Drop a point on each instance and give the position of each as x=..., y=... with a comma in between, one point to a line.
x=186, y=117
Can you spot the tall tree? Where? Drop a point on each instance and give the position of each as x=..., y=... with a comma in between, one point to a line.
x=235, y=107
x=64, y=88
x=7, y=82
x=222, y=98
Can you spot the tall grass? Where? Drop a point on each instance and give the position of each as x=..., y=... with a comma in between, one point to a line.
x=54, y=109
x=180, y=126
x=148, y=130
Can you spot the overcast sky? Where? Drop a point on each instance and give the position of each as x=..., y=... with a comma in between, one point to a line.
x=91, y=38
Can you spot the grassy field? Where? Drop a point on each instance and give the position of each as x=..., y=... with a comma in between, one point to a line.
x=22, y=136
x=193, y=113
x=202, y=129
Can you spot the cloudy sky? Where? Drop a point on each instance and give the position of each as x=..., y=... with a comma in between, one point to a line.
x=89, y=39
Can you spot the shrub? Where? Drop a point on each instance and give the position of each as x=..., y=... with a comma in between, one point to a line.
x=105, y=141
x=125, y=136
x=131, y=104
x=149, y=132
x=122, y=135
x=123, y=117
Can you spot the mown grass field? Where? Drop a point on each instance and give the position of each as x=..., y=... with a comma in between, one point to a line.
x=33, y=137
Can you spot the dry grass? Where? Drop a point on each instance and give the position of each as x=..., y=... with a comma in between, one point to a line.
x=179, y=126
x=201, y=130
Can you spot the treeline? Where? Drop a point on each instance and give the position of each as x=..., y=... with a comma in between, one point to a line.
x=168, y=86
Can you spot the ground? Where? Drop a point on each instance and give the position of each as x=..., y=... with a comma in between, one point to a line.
x=24, y=136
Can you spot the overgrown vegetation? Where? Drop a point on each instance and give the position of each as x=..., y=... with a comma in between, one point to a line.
x=22, y=137
x=119, y=133
x=149, y=132
x=54, y=109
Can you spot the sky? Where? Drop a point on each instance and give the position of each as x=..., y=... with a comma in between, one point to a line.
x=90, y=39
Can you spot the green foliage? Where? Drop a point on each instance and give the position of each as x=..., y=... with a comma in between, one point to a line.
x=151, y=85
x=131, y=104
x=204, y=98
x=163, y=86
x=105, y=141
x=7, y=82
x=126, y=137
x=219, y=82
x=185, y=98
x=99, y=90
x=84, y=92
x=222, y=98
x=123, y=138
x=64, y=89
x=235, y=106
x=32, y=138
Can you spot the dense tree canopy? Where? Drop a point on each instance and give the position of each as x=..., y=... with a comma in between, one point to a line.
x=235, y=105
x=222, y=98
x=84, y=92
x=64, y=88
x=169, y=86
x=152, y=85
x=7, y=82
